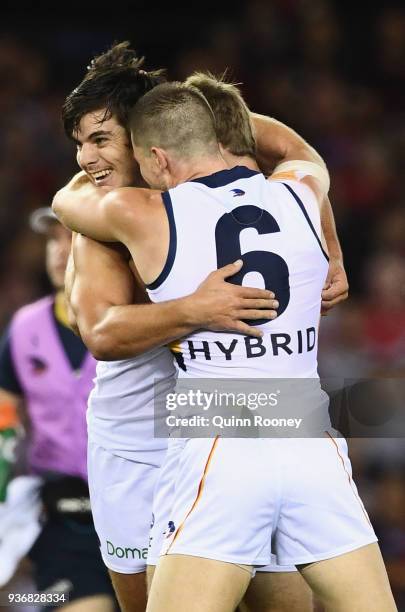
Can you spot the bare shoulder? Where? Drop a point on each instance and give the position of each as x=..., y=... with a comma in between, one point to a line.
x=131, y=195
x=130, y=212
x=130, y=200
x=137, y=197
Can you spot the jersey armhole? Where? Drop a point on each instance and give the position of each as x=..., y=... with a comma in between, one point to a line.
x=171, y=255
x=307, y=217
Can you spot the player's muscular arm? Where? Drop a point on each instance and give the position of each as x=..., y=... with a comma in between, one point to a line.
x=276, y=144
x=80, y=207
x=69, y=281
x=336, y=287
x=113, y=327
x=103, y=214
x=102, y=280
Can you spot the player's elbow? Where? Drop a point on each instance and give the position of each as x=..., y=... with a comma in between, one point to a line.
x=58, y=205
x=62, y=207
x=305, y=152
x=100, y=344
x=108, y=342
x=315, y=157
x=107, y=337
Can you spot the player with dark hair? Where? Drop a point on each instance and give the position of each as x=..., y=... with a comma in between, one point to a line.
x=113, y=81
x=123, y=455
x=114, y=331
x=175, y=238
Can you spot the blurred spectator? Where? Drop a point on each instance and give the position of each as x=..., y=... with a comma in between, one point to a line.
x=384, y=312
x=46, y=374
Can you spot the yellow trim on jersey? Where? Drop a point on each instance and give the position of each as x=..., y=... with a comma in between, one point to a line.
x=284, y=176
x=302, y=168
x=60, y=309
x=175, y=346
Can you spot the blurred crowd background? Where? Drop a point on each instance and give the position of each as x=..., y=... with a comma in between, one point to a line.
x=332, y=70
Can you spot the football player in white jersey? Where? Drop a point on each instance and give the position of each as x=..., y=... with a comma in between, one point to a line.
x=174, y=239
x=102, y=283
x=124, y=456
x=274, y=587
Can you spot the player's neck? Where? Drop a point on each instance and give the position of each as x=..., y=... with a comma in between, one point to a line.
x=204, y=166
x=240, y=160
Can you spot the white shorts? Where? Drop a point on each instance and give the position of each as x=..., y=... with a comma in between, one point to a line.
x=240, y=500
x=163, y=501
x=121, y=493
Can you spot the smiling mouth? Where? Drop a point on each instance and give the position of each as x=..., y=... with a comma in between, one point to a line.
x=100, y=174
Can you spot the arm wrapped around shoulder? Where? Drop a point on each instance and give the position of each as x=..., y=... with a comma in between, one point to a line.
x=297, y=169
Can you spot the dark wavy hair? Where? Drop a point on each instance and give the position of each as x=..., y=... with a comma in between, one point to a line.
x=115, y=82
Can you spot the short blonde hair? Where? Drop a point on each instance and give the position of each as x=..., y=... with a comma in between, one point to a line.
x=232, y=117
x=174, y=116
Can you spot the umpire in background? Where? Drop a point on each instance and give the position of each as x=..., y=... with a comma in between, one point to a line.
x=46, y=369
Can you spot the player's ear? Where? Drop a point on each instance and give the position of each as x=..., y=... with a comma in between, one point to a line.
x=222, y=149
x=160, y=158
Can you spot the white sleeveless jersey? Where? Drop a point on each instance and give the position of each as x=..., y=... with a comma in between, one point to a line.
x=274, y=228
x=123, y=404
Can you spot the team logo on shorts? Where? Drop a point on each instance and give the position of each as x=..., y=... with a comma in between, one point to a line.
x=171, y=528
x=237, y=192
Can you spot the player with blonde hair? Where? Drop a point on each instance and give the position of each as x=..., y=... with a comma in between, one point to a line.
x=324, y=530
x=100, y=308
